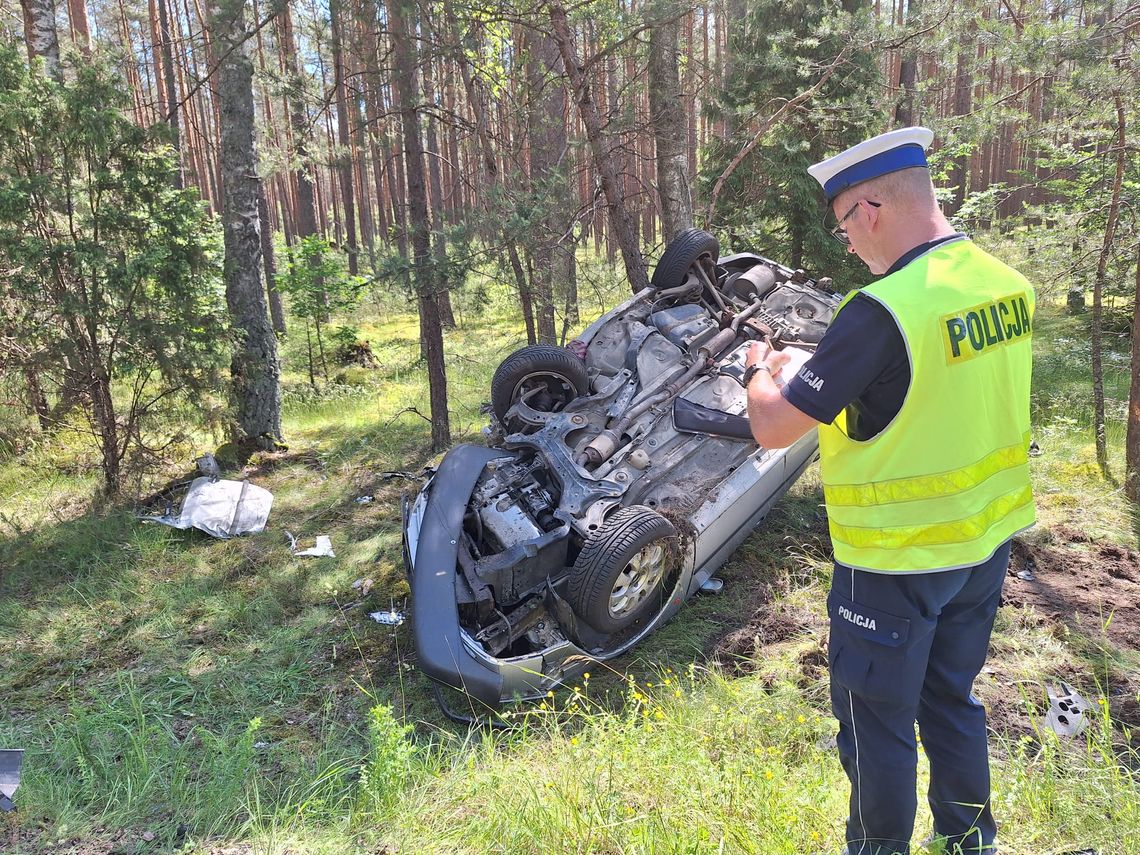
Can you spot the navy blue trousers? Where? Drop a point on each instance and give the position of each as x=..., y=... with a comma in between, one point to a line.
x=906, y=648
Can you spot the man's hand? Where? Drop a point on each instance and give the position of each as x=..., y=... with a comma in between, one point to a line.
x=762, y=353
x=774, y=422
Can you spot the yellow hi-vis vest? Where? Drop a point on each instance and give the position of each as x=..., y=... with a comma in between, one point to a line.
x=947, y=481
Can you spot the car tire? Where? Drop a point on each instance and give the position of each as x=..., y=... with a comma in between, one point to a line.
x=618, y=576
x=563, y=374
x=685, y=250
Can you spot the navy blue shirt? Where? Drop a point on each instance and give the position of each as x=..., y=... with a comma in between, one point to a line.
x=861, y=364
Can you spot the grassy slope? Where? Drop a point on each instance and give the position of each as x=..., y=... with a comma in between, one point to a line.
x=182, y=689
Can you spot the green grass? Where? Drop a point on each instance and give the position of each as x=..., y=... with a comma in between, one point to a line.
x=180, y=694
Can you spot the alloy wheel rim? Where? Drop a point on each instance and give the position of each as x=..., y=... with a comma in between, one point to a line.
x=637, y=580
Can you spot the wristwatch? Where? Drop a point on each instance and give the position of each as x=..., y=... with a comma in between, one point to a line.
x=751, y=371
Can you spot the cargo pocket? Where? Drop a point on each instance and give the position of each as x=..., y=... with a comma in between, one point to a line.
x=868, y=652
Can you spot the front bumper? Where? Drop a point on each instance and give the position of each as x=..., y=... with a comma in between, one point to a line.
x=443, y=654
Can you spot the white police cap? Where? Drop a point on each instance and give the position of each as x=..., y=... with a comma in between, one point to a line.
x=889, y=152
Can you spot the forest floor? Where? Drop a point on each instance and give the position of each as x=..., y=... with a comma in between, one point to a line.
x=181, y=694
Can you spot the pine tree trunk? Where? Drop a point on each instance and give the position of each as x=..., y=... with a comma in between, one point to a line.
x=1132, y=441
x=37, y=400
x=491, y=166
x=306, y=204
x=80, y=26
x=619, y=217
x=276, y=310
x=962, y=92
x=1098, y=290
x=905, y=109
x=439, y=238
x=170, y=85
x=344, y=139
x=254, y=367
x=546, y=99
x=401, y=20
x=668, y=120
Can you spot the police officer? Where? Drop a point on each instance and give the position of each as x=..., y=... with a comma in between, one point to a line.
x=920, y=393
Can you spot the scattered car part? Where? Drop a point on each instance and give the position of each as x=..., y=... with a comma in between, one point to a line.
x=388, y=618
x=1066, y=716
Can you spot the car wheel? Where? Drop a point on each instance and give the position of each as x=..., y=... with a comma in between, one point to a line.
x=619, y=574
x=550, y=377
x=690, y=247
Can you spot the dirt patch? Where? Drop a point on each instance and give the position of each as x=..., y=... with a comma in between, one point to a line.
x=1094, y=588
x=771, y=620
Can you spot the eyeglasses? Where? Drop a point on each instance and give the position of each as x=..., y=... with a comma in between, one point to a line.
x=838, y=232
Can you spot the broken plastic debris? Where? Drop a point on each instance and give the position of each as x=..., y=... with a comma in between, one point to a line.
x=208, y=466
x=221, y=508
x=261, y=746
x=363, y=500
x=322, y=549
x=1066, y=716
x=11, y=761
x=391, y=617
x=363, y=586
x=1026, y=572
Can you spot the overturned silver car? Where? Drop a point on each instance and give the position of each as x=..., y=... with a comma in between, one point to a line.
x=619, y=475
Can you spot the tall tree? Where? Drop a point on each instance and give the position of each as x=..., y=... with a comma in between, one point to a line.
x=546, y=127
x=908, y=69
x=667, y=116
x=254, y=368
x=1099, y=281
x=401, y=20
x=170, y=84
x=344, y=141
x=620, y=221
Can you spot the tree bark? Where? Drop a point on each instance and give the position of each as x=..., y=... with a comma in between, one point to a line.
x=170, y=85
x=1132, y=440
x=438, y=236
x=254, y=367
x=344, y=138
x=401, y=20
x=905, y=109
x=667, y=117
x=41, y=35
x=80, y=26
x=546, y=101
x=1098, y=290
x=276, y=310
x=959, y=171
x=619, y=217
x=298, y=119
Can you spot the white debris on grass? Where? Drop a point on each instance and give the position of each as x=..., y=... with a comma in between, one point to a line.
x=391, y=617
x=1067, y=711
x=322, y=549
x=221, y=508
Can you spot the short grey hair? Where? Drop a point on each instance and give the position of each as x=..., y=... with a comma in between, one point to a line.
x=907, y=188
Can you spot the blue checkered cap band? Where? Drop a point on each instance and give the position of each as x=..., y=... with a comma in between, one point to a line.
x=898, y=149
